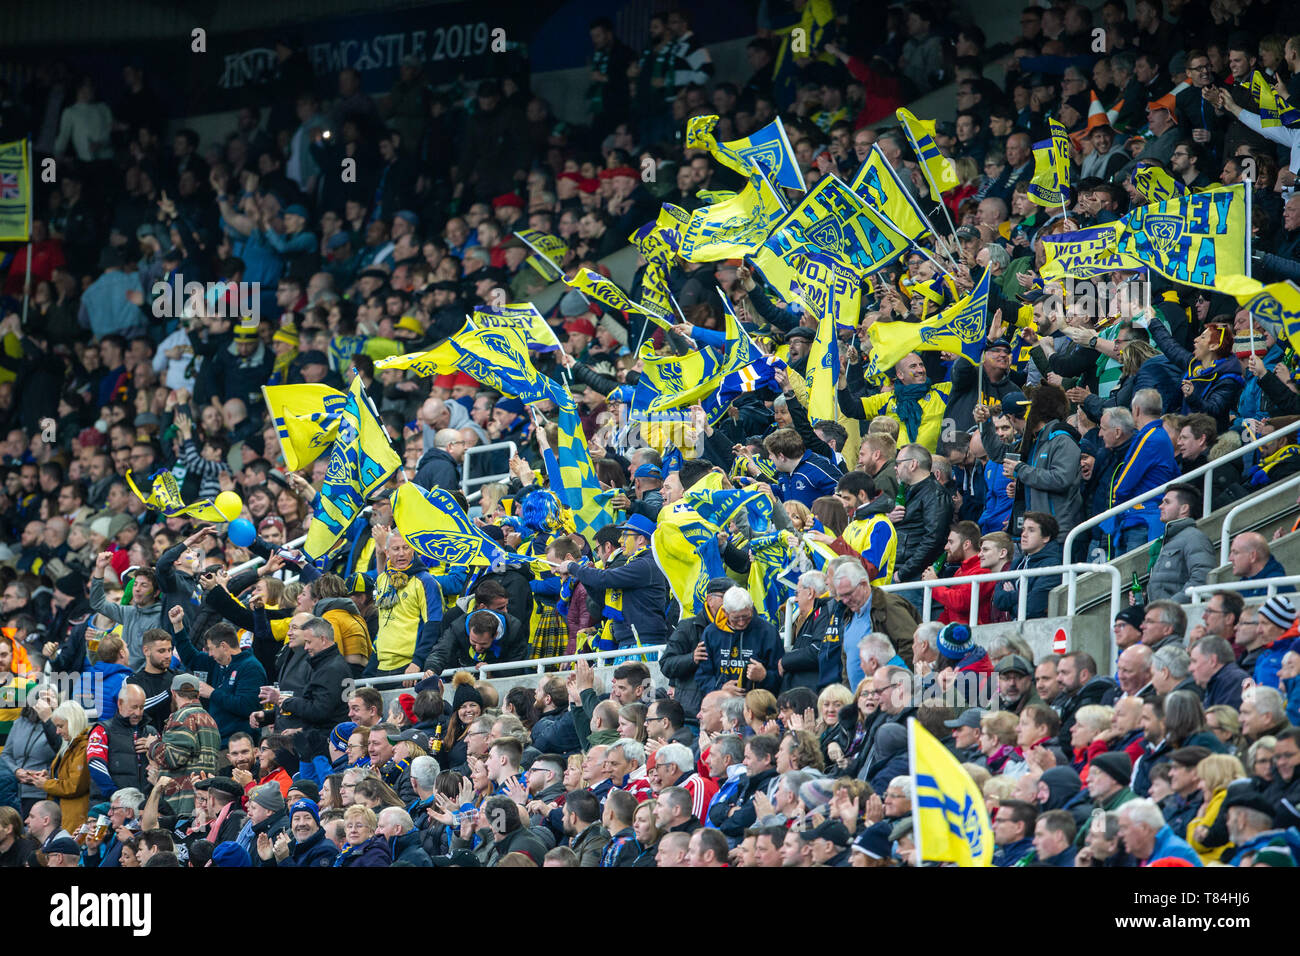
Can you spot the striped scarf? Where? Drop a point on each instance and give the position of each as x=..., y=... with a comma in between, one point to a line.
x=1109, y=371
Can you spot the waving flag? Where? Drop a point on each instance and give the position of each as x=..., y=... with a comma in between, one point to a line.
x=938, y=170
x=496, y=357
x=594, y=285
x=950, y=823
x=959, y=329
x=1276, y=306
x=1274, y=110
x=548, y=252
x=832, y=218
x=1196, y=240
x=753, y=371
x=15, y=192
x=767, y=149
x=306, y=418
x=877, y=182
x=434, y=525
x=361, y=461
x=524, y=318
x=1156, y=185
x=824, y=357
x=1051, y=183
x=1086, y=253
x=736, y=227
x=165, y=496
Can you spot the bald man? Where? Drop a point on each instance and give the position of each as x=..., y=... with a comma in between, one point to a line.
x=116, y=747
x=1134, y=672
x=1251, y=560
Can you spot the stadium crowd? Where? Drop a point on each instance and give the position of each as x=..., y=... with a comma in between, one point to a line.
x=225, y=727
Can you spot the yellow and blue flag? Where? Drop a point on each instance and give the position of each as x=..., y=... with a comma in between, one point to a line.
x=1086, y=253
x=825, y=284
x=959, y=329
x=1051, y=183
x=306, y=417
x=594, y=285
x=682, y=380
x=1276, y=305
x=1196, y=240
x=548, y=252
x=1156, y=185
x=832, y=218
x=361, y=461
x=939, y=172
x=950, y=823
x=757, y=372
x=1274, y=110
x=824, y=357
x=877, y=182
x=165, y=496
x=496, y=357
x=15, y=192
x=524, y=318
x=767, y=149
x=733, y=228
x=434, y=525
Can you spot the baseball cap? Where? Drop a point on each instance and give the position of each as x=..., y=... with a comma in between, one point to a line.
x=1014, y=662
x=419, y=737
x=970, y=717
x=181, y=681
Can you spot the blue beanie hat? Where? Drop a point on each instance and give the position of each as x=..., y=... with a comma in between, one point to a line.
x=308, y=805
x=954, y=641
x=230, y=854
x=340, y=734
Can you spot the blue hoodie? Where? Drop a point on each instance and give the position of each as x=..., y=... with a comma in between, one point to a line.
x=100, y=685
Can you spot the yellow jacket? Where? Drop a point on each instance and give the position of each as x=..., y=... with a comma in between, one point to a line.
x=1209, y=814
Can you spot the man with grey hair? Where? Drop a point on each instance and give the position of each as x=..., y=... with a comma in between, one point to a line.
x=673, y=811
x=625, y=764
x=924, y=649
x=403, y=838
x=1263, y=713
x=1163, y=623
x=319, y=706
x=1147, y=837
x=124, y=808
x=1171, y=670
x=675, y=767
x=439, y=466
x=1215, y=670
x=875, y=651
x=745, y=656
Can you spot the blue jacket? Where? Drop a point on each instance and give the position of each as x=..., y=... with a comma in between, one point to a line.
x=554, y=734
x=315, y=851
x=1251, y=403
x=234, y=686
x=1225, y=686
x=112, y=677
x=729, y=654
x=1150, y=463
x=1039, y=587
x=1169, y=844
x=1273, y=569
x=645, y=597
x=815, y=477
x=1293, y=701
x=408, y=849
x=1012, y=853
x=1267, y=666
x=997, y=506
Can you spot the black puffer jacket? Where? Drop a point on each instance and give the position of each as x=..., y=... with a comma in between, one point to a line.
x=923, y=529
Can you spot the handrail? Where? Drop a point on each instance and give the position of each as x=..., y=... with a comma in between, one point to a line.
x=1070, y=571
x=1264, y=493
x=1207, y=470
x=539, y=664
x=256, y=562
x=1195, y=591
x=466, y=482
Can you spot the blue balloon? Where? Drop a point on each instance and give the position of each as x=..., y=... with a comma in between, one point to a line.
x=241, y=532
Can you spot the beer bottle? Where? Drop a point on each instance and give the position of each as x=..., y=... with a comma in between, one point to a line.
x=900, y=497
x=1135, y=592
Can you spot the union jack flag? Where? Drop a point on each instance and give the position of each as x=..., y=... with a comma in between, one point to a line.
x=10, y=188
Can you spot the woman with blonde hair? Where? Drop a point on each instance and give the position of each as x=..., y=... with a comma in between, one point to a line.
x=801, y=517
x=760, y=708
x=997, y=789
x=68, y=779
x=647, y=833
x=998, y=742
x=573, y=773
x=364, y=847
x=1259, y=759
x=631, y=722
x=1224, y=722
x=1086, y=737
x=832, y=699
x=1208, y=832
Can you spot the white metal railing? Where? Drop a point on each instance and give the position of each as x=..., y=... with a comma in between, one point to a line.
x=1266, y=492
x=1067, y=571
x=1206, y=471
x=466, y=482
x=1197, y=591
x=538, y=665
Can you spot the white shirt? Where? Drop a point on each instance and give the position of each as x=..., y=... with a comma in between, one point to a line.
x=175, y=368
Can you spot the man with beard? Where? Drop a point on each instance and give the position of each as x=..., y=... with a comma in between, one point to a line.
x=155, y=677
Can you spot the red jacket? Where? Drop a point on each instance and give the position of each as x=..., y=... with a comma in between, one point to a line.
x=956, y=598
x=1083, y=757
x=883, y=93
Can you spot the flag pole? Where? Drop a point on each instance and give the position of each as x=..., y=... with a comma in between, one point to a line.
x=26, y=285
